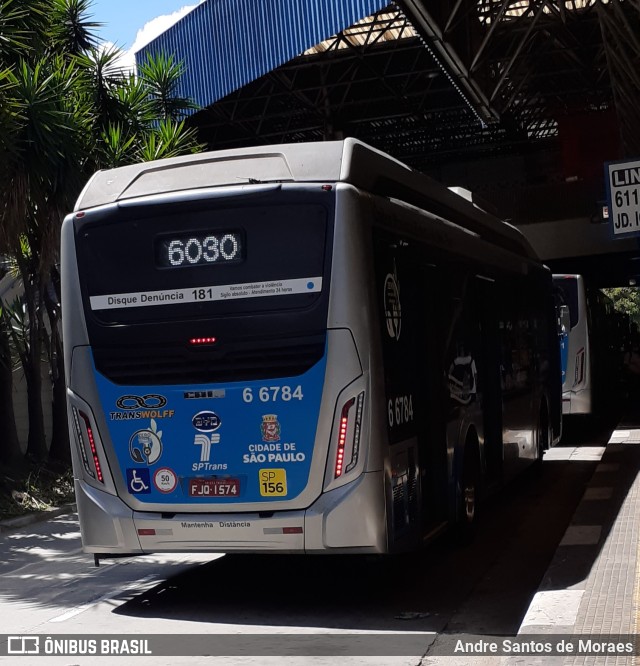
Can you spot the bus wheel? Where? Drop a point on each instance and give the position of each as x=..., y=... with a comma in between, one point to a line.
x=469, y=492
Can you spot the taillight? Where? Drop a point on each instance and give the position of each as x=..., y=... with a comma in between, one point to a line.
x=342, y=436
x=357, y=426
x=349, y=433
x=202, y=341
x=579, y=372
x=86, y=435
x=81, y=446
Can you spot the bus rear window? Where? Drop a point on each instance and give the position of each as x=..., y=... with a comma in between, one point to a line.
x=566, y=293
x=166, y=263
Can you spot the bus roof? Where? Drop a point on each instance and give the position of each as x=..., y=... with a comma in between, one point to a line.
x=349, y=161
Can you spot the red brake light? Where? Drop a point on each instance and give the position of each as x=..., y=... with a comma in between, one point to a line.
x=202, y=341
x=349, y=428
x=342, y=436
x=92, y=446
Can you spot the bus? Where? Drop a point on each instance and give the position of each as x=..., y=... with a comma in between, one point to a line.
x=596, y=340
x=304, y=348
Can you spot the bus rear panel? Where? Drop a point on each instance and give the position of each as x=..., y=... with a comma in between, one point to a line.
x=267, y=352
x=201, y=401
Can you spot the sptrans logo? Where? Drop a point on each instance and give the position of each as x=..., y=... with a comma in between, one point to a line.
x=205, y=442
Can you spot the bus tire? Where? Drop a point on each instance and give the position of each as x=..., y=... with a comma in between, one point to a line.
x=469, y=492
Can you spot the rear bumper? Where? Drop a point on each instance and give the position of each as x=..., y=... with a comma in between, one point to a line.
x=349, y=519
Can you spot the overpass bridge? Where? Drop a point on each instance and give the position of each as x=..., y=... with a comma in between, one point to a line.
x=520, y=101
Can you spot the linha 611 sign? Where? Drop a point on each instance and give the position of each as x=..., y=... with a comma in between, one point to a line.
x=623, y=190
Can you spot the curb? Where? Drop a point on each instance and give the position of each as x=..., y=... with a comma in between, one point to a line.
x=587, y=588
x=37, y=517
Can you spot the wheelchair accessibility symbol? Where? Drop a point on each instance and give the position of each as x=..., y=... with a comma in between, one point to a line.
x=138, y=481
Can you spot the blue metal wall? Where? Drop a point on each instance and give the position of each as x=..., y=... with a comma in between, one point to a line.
x=226, y=44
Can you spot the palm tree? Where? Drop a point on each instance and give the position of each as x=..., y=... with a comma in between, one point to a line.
x=70, y=29
x=65, y=110
x=42, y=169
x=23, y=27
x=129, y=120
x=161, y=75
x=10, y=451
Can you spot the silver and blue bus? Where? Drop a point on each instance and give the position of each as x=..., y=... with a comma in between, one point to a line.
x=305, y=348
x=592, y=349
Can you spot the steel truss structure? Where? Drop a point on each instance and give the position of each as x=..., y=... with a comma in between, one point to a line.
x=433, y=81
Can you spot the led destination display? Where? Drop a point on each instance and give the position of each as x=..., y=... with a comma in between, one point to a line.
x=177, y=251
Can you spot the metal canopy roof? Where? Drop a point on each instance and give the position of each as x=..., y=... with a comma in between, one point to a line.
x=432, y=82
x=375, y=80
x=226, y=44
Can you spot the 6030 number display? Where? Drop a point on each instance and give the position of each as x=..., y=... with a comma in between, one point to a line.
x=198, y=250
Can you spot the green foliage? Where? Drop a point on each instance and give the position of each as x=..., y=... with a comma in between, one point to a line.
x=168, y=139
x=71, y=31
x=134, y=118
x=66, y=109
x=17, y=324
x=34, y=488
x=161, y=76
x=6, y=356
x=103, y=79
x=23, y=28
x=627, y=300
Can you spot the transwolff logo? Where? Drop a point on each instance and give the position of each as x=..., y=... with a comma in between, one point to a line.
x=150, y=401
x=141, y=407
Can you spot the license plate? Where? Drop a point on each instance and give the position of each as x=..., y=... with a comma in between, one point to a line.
x=214, y=487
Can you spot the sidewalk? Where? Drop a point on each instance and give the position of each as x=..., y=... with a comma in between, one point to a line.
x=592, y=586
x=11, y=524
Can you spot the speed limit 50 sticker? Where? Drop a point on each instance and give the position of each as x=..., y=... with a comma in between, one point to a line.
x=273, y=482
x=165, y=480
